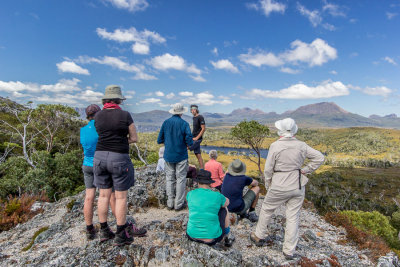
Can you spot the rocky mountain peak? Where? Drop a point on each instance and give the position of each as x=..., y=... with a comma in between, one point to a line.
x=325, y=108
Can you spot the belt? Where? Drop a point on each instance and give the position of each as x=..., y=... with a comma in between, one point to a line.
x=292, y=171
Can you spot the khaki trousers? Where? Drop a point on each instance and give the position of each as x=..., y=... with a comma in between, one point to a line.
x=294, y=201
x=176, y=183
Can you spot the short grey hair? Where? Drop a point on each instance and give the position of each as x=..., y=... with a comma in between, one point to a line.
x=213, y=154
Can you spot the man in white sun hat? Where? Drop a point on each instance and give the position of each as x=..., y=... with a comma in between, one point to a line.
x=285, y=175
x=176, y=136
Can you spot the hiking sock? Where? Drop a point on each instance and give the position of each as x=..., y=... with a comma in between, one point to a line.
x=120, y=228
x=104, y=225
x=227, y=230
x=89, y=227
x=252, y=209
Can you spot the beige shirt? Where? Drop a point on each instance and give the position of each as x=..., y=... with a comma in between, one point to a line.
x=285, y=157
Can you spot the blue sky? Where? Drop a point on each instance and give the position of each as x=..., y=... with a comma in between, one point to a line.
x=275, y=55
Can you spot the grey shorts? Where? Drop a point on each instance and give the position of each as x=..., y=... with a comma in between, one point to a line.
x=196, y=146
x=248, y=199
x=88, y=176
x=113, y=170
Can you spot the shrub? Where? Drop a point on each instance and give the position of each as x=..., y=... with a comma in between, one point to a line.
x=18, y=210
x=395, y=221
x=375, y=244
x=375, y=223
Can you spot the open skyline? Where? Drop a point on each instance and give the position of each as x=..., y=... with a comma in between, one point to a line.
x=274, y=55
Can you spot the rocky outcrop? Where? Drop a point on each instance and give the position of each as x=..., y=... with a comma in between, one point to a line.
x=62, y=240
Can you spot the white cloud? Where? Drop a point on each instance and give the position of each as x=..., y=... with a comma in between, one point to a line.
x=224, y=64
x=141, y=49
x=119, y=64
x=175, y=62
x=170, y=96
x=159, y=93
x=375, y=91
x=390, y=60
x=268, y=6
x=289, y=70
x=315, y=16
x=151, y=100
x=205, y=99
x=69, y=66
x=141, y=39
x=63, y=85
x=316, y=53
x=130, y=5
x=261, y=58
x=215, y=51
x=334, y=72
x=185, y=93
x=390, y=15
x=326, y=89
x=333, y=10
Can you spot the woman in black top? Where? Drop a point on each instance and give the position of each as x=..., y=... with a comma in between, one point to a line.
x=112, y=166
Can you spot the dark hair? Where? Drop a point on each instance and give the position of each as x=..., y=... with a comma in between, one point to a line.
x=90, y=117
x=114, y=100
x=196, y=107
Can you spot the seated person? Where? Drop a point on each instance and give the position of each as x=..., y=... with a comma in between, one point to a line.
x=208, y=217
x=161, y=161
x=191, y=173
x=232, y=188
x=217, y=173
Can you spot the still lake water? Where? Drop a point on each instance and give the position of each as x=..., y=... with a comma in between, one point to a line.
x=226, y=150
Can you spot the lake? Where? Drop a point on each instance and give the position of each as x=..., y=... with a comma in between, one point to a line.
x=226, y=150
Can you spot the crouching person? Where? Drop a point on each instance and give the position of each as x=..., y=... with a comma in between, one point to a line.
x=208, y=216
x=232, y=187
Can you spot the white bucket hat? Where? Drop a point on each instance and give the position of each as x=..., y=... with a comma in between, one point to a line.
x=286, y=127
x=178, y=109
x=113, y=92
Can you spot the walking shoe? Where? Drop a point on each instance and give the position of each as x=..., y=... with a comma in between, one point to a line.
x=125, y=237
x=91, y=234
x=291, y=257
x=229, y=239
x=181, y=207
x=170, y=208
x=259, y=242
x=106, y=234
x=252, y=216
x=139, y=232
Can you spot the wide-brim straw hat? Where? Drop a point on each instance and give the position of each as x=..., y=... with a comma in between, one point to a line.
x=203, y=177
x=178, y=109
x=286, y=127
x=113, y=92
x=236, y=168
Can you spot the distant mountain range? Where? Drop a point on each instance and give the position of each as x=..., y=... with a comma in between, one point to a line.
x=324, y=114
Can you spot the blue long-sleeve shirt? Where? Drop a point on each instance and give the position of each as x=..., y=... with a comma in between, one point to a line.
x=175, y=134
x=88, y=136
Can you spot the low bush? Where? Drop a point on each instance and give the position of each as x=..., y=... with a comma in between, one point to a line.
x=16, y=210
x=364, y=240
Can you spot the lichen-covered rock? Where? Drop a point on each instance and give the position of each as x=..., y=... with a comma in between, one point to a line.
x=64, y=242
x=390, y=260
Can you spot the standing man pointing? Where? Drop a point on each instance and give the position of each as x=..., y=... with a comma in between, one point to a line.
x=199, y=127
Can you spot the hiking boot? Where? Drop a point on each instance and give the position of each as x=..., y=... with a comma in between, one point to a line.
x=138, y=232
x=259, y=242
x=291, y=257
x=181, y=207
x=252, y=216
x=229, y=239
x=91, y=234
x=125, y=237
x=106, y=234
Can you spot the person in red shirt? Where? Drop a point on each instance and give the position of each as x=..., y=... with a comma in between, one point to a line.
x=217, y=173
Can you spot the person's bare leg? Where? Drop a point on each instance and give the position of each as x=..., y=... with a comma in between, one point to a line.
x=121, y=206
x=112, y=204
x=88, y=205
x=102, y=204
x=256, y=190
x=200, y=159
x=227, y=218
